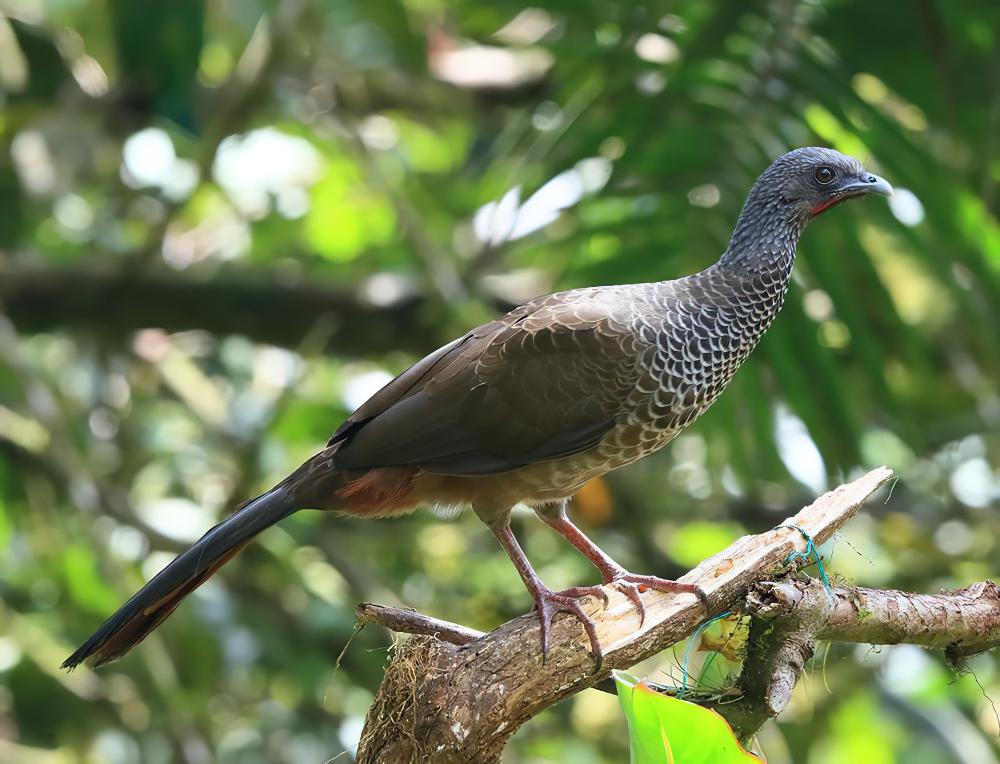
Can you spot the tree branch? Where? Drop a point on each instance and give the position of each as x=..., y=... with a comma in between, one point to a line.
x=412, y=622
x=463, y=702
x=791, y=616
x=777, y=651
x=116, y=302
x=963, y=622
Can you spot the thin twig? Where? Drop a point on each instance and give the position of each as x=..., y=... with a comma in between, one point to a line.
x=412, y=622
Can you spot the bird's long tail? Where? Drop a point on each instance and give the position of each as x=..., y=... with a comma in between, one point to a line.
x=157, y=599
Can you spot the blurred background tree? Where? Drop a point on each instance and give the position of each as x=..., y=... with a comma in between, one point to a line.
x=224, y=224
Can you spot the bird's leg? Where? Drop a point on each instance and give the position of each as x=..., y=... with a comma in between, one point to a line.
x=629, y=584
x=547, y=602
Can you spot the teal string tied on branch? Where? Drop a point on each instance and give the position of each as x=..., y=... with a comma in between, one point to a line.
x=811, y=555
x=692, y=640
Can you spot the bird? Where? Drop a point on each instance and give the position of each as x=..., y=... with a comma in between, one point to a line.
x=527, y=408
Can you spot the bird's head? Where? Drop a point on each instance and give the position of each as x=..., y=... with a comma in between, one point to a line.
x=811, y=180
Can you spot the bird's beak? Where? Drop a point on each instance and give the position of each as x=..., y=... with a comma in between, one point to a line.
x=869, y=183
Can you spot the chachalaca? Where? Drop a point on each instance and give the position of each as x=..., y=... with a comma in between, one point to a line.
x=529, y=407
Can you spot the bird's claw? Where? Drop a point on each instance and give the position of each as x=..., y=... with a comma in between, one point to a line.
x=548, y=603
x=633, y=592
x=632, y=585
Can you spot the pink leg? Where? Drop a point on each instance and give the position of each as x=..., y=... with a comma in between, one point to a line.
x=547, y=602
x=629, y=584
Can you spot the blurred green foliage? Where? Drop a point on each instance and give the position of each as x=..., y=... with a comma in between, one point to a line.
x=222, y=225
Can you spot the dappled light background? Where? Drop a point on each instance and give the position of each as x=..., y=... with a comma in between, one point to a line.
x=223, y=225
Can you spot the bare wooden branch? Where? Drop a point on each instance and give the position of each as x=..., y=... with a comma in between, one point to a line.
x=412, y=622
x=446, y=702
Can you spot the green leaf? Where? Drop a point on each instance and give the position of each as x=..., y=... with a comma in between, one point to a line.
x=666, y=729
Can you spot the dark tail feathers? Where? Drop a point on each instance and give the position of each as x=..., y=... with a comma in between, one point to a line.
x=148, y=607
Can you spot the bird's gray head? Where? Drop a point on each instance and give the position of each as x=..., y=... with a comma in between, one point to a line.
x=797, y=187
x=811, y=180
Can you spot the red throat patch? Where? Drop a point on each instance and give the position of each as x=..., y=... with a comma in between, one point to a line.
x=828, y=203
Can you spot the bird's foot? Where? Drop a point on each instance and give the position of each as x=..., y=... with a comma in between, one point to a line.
x=548, y=603
x=578, y=592
x=632, y=586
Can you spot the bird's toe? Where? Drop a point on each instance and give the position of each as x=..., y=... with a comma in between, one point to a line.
x=579, y=592
x=634, y=594
x=638, y=583
x=549, y=604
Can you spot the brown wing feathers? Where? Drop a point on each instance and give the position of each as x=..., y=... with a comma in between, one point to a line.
x=546, y=381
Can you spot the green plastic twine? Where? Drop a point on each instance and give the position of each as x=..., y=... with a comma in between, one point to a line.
x=687, y=650
x=811, y=555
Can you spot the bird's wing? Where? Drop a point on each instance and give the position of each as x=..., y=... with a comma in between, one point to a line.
x=547, y=380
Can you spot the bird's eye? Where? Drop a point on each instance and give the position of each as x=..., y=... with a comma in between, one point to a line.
x=824, y=174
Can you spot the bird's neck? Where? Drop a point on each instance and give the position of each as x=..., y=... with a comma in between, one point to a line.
x=764, y=240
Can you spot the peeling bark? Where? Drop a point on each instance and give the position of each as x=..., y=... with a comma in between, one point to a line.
x=963, y=622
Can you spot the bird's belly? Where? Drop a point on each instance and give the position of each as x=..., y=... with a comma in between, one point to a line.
x=561, y=478
x=648, y=427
